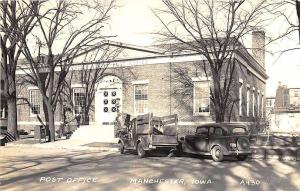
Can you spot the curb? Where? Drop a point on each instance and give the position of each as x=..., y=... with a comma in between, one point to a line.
x=267, y=152
x=63, y=147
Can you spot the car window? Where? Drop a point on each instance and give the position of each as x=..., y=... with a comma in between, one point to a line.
x=239, y=130
x=202, y=131
x=218, y=131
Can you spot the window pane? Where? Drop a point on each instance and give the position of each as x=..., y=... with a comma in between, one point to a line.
x=141, y=98
x=201, y=97
x=79, y=98
x=35, y=102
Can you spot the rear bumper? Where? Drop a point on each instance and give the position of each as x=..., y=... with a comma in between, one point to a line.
x=161, y=146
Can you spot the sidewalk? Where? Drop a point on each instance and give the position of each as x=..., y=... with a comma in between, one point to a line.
x=66, y=144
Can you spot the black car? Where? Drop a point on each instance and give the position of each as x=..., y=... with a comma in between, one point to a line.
x=218, y=140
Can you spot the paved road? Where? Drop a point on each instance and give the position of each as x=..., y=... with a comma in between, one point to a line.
x=60, y=169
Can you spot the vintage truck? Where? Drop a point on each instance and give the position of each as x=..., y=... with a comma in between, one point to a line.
x=147, y=132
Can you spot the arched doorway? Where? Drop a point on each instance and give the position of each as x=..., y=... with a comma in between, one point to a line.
x=108, y=92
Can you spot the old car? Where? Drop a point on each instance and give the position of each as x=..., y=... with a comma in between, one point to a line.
x=146, y=133
x=218, y=140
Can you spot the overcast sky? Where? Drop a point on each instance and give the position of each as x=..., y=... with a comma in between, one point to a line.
x=133, y=22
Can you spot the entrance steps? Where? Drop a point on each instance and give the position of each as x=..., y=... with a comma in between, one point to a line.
x=95, y=133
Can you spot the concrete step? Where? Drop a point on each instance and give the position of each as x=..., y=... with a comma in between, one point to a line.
x=95, y=133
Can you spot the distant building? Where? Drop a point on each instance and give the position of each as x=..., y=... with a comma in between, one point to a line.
x=284, y=110
x=270, y=104
x=282, y=96
x=294, y=94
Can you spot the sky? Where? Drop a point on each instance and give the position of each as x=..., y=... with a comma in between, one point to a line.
x=133, y=22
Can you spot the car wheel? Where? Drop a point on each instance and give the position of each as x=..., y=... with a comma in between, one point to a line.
x=121, y=148
x=217, y=154
x=242, y=157
x=140, y=150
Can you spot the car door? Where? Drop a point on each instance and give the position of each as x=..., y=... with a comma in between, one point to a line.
x=189, y=144
x=202, y=137
x=216, y=136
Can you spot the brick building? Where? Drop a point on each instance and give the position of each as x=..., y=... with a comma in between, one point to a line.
x=151, y=79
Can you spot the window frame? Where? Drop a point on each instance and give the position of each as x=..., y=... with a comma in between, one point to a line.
x=73, y=99
x=258, y=103
x=253, y=102
x=240, y=98
x=146, y=109
x=248, y=100
x=30, y=101
x=194, y=98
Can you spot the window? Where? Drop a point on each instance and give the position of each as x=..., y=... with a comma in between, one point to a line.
x=202, y=131
x=78, y=100
x=218, y=131
x=240, y=99
x=35, y=102
x=2, y=84
x=258, y=103
x=201, y=97
x=253, y=103
x=248, y=101
x=140, y=98
x=262, y=104
x=239, y=130
x=3, y=109
x=269, y=103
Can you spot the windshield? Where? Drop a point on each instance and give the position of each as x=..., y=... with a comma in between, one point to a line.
x=239, y=130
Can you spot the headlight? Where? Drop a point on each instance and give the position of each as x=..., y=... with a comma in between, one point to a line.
x=232, y=145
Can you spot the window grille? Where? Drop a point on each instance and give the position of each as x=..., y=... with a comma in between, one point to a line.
x=141, y=98
x=201, y=97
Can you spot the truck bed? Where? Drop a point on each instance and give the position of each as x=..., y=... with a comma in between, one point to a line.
x=164, y=140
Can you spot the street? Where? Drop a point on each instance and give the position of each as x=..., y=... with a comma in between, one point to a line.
x=61, y=169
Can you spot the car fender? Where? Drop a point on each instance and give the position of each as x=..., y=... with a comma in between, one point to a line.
x=224, y=149
x=120, y=141
x=144, y=142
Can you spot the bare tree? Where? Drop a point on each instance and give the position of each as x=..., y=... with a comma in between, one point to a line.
x=214, y=29
x=282, y=12
x=64, y=32
x=17, y=21
x=94, y=67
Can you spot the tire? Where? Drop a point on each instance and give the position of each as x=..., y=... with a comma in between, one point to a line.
x=140, y=150
x=242, y=157
x=217, y=154
x=121, y=148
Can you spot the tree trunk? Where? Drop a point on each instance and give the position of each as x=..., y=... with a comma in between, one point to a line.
x=51, y=124
x=86, y=119
x=49, y=118
x=219, y=114
x=12, y=126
